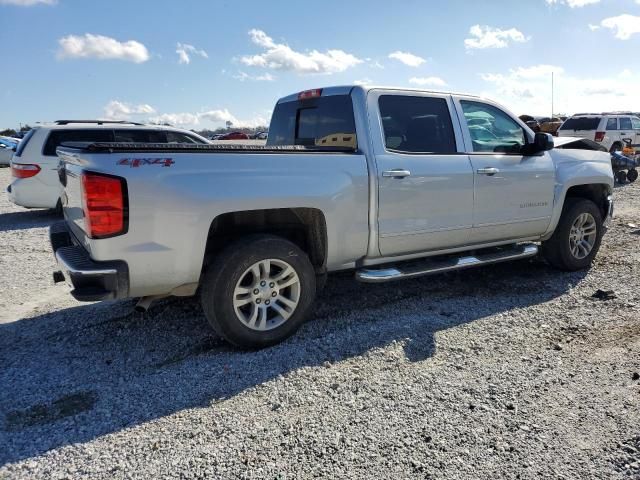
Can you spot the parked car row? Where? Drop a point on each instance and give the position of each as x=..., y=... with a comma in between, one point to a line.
x=240, y=136
x=8, y=146
x=34, y=164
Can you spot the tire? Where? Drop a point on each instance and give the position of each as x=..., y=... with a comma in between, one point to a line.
x=632, y=175
x=559, y=249
x=228, y=291
x=621, y=177
x=616, y=147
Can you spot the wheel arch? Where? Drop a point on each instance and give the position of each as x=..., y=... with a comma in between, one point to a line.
x=306, y=227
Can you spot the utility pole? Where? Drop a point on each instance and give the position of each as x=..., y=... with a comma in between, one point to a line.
x=552, y=95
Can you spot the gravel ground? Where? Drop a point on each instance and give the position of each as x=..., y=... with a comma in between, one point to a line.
x=511, y=371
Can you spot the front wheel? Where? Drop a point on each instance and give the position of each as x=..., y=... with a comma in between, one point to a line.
x=576, y=240
x=258, y=291
x=632, y=175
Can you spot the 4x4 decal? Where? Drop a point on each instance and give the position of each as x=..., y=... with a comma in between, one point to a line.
x=138, y=162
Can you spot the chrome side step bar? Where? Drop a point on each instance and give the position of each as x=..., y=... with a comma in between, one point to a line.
x=431, y=266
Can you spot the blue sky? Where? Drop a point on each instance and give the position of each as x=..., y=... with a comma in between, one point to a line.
x=197, y=63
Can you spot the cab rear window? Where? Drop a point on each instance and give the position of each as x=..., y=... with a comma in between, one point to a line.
x=321, y=122
x=58, y=137
x=581, y=123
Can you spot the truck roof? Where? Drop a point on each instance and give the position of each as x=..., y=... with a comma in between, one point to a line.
x=347, y=89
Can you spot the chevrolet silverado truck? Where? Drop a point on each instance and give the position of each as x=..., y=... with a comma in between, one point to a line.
x=389, y=183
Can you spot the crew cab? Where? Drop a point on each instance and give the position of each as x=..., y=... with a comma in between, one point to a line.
x=34, y=165
x=389, y=183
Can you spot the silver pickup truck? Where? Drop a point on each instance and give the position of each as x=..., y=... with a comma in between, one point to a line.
x=391, y=183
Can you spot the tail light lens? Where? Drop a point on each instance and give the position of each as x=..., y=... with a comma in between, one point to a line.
x=105, y=205
x=23, y=170
x=600, y=136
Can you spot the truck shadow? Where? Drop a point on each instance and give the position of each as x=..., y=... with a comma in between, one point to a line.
x=39, y=218
x=77, y=374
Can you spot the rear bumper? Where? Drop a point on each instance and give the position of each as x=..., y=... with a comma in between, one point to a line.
x=90, y=280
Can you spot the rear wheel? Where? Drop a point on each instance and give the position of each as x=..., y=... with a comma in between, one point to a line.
x=621, y=177
x=258, y=291
x=577, y=237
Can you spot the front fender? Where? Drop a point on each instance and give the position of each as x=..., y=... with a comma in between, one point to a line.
x=576, y=168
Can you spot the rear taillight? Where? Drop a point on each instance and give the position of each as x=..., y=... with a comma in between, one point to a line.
x=599, y=136
x=22, y=170
x=105, y=205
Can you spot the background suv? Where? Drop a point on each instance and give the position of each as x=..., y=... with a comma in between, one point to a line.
x=34, y=165
x=608, y=129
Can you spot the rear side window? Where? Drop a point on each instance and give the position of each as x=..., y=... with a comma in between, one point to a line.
x=635, y=122
x=625, y=123
x=323, y=121
x=417, y=124
x=58, y=137
x=178, y=137
x=23, y=143
x=612, y=124
x=581, y=123
x=131, y=135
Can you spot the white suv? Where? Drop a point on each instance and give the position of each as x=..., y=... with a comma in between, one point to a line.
x=34, y=165
x=611, y=130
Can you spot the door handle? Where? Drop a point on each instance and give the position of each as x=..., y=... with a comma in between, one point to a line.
x=488, y=171
x=396, y=173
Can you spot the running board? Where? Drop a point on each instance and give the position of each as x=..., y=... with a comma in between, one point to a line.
x=432, y=266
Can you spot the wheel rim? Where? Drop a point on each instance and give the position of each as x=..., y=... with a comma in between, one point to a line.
x=582, y=236
x=267, y=294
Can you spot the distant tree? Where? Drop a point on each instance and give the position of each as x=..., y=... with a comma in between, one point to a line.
x=9, y=132
x=25, y=128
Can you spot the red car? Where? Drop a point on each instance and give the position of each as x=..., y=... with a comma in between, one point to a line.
x=234, y=136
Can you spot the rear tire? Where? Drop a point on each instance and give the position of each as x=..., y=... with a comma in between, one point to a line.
x=621, y=177
x=255, y=310
x=577, y=238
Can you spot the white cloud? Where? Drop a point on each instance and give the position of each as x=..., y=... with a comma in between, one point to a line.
x=363, y=81
x=177, y=119
x=484, y=36
x=428, y=81
x=624, y=25
x=528, y=90
x=28, y=3
x=243, y=76
x=280, y=56
x=101, y=47
x=407, y=58
x=573, y=3
x=220, y=116
x=185, y=51
x=116, y=110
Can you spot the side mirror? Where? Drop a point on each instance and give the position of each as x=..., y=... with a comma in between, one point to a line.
x=542, y=142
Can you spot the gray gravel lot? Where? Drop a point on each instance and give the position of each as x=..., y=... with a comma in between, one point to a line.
x=512, y=371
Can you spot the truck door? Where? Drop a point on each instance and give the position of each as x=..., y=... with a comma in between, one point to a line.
x=514, y=193
x=425, y=180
